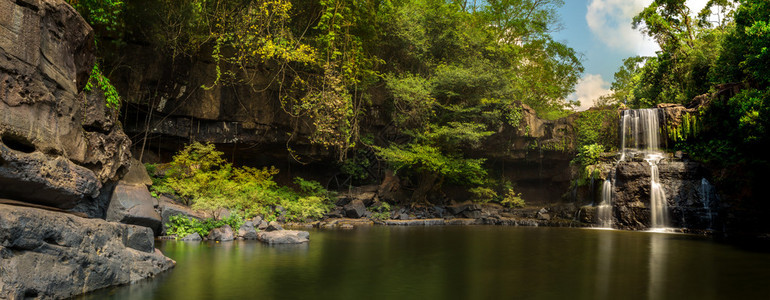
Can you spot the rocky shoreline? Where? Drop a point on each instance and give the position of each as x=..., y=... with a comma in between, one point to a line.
x=51, y=255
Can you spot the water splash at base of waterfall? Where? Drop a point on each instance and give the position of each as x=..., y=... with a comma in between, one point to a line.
x=604, y=210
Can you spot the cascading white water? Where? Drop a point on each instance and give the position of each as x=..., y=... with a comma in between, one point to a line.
x=604, y=210
x=658, y=204
x=706, y=195
x=641, y=128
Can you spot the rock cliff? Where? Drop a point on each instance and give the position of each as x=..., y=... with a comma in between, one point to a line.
x=61, y=149
x=58, y=145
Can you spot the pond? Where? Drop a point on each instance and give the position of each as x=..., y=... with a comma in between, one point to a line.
x=460, y=262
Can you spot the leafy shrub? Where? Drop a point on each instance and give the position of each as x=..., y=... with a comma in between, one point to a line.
x=200, y=176
x=588, y=155
x=181, y=225
x=513, y=200
x=482, y=194
x=381, y=212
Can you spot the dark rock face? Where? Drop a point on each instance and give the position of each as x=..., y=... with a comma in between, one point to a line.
x=284, y=237
x=222, y=234
x=133, y=204
x=681, y=183
x=54, y=255
x=58, y=145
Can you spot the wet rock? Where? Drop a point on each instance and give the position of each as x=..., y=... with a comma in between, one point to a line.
x=273, y=226
x=247, y=231
x=56, y=255
x=356, y=209
x=133, y=204
x=681, y=182
x=192, y=237
x=284, y=237
x=222, y=234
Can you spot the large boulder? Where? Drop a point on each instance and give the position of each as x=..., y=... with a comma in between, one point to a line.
x=58, y=144
x=51, y=255
x=247, y=231
x=284, y=236
x=222, y=234
x=355, y=209
x=133, y=204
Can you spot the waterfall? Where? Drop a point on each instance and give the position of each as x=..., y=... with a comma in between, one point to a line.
x=658, y=205
x=641, y=128
x=706, y=195
x=604, y=210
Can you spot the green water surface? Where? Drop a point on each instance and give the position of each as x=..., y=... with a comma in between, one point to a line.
x=460, y=262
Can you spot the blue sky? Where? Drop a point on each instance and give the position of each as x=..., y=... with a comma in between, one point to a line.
x=601, y=31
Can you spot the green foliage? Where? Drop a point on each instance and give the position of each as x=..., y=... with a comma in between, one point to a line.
x=513, y=200
x=428, y=159
x=588, y=155
x=103, y=83
x=106, y=14
x=181, y=226
x=200, y=176
x=482, y=194
x=687, y=130
x=596, y=127
x=357, y=166
x=380, y=212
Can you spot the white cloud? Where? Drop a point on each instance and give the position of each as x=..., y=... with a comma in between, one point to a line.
x=610, y=21
x=589, y=89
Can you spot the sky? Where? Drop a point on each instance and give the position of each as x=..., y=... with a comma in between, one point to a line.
x=600, y=30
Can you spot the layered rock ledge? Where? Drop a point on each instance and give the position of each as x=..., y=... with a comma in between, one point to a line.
x=51, y=255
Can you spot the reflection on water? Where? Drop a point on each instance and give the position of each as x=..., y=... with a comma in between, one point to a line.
x=604, y=264
x=473, y=262
x=658, y=256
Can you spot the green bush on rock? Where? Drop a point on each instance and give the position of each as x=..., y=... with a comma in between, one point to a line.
x=203, y=179
x=181, y=226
